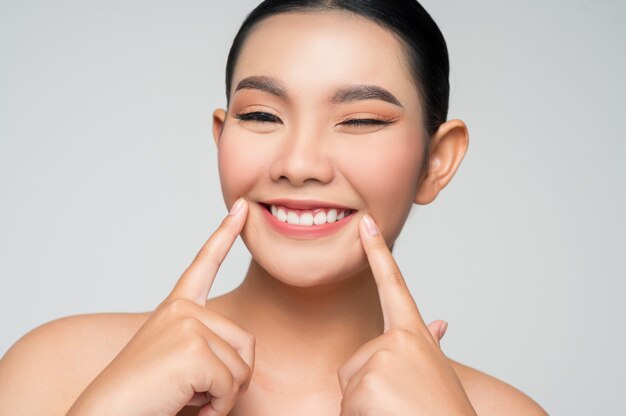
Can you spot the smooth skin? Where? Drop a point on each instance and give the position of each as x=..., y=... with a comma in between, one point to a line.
x=183, y=354
x=318, y=327
x=403, y=371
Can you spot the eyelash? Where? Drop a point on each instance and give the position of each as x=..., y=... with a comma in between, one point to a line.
x=257, y=116
x=262, y=117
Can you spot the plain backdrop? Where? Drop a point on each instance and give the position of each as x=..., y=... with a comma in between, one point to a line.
x=109, y=186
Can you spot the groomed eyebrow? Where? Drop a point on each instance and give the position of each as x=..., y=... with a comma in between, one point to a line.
x=267, y=84
x=347, y=94
x=364, y=92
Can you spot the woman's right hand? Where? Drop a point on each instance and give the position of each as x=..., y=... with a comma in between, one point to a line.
x=184, y=354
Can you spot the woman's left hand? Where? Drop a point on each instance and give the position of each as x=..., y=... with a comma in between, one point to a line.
x=403, y=371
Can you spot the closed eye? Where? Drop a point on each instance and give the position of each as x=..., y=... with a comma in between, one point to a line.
x=263, y=117
x=258, y=116
x=364, y=122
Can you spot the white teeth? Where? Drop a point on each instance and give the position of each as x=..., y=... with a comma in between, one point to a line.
x=292, y=218
x=281, y=215
x=320, y=218
x=308, y=218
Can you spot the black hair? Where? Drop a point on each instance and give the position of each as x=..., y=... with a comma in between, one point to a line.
x=424, y=44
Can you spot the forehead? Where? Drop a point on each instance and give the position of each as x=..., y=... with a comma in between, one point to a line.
x=312, y=53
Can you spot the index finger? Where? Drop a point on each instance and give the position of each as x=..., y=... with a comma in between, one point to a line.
x=399, y=308
x=197, y=279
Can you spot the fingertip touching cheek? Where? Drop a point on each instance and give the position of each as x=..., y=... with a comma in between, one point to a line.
x=323, y=126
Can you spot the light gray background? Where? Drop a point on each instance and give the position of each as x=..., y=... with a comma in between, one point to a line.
x=108, y=178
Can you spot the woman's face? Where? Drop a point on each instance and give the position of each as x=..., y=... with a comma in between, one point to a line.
x=302, y=152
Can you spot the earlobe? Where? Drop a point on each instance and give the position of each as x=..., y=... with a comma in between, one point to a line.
x=219, y=116
x=447, y=150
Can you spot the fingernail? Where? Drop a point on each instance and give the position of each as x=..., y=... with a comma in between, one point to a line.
x=370, y=226
x=236, y=206
x=442, y=329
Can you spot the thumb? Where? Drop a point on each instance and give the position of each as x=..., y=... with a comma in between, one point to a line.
x=438, y=329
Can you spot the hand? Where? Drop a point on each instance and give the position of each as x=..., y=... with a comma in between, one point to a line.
x=403, y=371
x=184, y=354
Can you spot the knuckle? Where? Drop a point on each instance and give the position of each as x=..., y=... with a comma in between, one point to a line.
x=246, y=373
x=227, y=377
x=222, y=375
x=242, y=374
x=382, y=358
x=396, y=278
x=188, y=326
x=233, y=387
x=370, y=383
x=194, y=347
x=399, y=337
x=342, y=373
x=176, y=307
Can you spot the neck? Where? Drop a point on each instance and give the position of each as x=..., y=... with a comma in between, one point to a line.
x=305, y=328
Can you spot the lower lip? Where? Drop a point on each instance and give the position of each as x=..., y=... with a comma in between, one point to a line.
x=305, y=231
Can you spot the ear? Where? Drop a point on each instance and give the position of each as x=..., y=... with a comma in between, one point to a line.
x=447, y=148
x=219, y=116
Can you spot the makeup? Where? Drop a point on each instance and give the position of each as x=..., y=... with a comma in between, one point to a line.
x=305, y=219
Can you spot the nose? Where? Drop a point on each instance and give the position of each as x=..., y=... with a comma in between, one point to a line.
x=304, y=158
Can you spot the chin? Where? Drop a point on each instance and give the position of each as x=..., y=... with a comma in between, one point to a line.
x=309, y=276
x=299, y=268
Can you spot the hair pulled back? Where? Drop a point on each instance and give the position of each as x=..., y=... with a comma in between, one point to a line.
x=424, y=44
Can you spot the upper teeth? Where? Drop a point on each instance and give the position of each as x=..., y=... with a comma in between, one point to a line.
x=316, y=216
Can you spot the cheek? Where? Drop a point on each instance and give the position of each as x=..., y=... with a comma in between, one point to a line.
x=241, y=162
x=384, y=170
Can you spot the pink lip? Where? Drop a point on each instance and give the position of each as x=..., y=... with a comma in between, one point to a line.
x=303, y=231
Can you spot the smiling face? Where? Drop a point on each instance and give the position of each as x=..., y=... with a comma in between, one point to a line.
x=292, y=144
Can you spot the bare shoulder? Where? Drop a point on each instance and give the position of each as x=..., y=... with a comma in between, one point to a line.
x=493, y=397
x=58, y=359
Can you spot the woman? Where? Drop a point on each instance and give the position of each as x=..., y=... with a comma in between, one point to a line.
x=335, y=126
